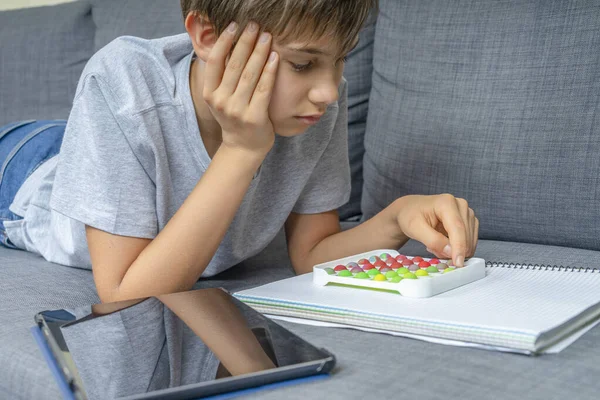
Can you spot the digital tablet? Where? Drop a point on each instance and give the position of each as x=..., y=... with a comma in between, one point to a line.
x=179, y=346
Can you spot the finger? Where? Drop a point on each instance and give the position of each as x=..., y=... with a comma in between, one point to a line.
x=254, y=69
x=463, y=208
x=437, y=254
x=471, y=219
x=237, y=62
x=444, y=253
x=215, y=65
x=476, y=234
x=440, y=229
x=264, y=89
x=433, y=240
x=450, y=216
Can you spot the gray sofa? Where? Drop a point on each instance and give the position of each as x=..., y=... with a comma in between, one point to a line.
x=496, y=102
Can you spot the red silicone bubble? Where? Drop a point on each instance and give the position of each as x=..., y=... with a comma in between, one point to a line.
x=395, y=265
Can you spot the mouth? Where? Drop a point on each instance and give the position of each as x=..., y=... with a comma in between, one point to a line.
x=309, y=119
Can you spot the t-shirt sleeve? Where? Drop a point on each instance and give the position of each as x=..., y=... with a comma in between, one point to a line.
x=99, y=180
x=328, y=187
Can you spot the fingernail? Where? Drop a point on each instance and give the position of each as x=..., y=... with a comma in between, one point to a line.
x=252, y=27
x=273, y=56
x=447, y=251
x=264, y=37
x=232, y=27
x=460, y=261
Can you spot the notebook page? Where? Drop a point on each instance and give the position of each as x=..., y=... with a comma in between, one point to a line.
x=512, y=304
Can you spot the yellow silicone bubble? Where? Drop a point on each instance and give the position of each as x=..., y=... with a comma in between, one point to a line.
x=379, y=277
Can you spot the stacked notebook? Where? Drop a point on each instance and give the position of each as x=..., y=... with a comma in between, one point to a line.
x=521, y=308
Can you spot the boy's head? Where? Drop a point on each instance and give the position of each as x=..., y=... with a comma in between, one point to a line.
x=311, y=37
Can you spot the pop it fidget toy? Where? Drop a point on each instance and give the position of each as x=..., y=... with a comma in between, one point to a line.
x=390, y=270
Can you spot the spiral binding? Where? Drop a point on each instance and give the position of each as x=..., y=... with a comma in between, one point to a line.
x=540, y=267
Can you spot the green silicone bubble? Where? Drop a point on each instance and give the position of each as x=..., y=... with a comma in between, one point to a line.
x=409, y=275
x=402, y=271
x=432, y=269
x=391, y=274
x=449, y=270
x=361, y=275
x=395, y=279
x=421, y=272
x=330, y=271
x=373, y=272
x=344, y=272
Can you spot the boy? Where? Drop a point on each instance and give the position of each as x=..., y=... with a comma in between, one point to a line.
x=185, y=155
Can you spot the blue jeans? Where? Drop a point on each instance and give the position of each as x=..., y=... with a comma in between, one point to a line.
x=24, y=146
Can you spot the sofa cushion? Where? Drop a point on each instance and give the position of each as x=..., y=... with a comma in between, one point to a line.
x=496, y=102
x=29, y=284
x=43, y=52
x=148, y=19
x=357, y=71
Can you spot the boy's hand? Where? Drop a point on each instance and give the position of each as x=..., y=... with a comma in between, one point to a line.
x=445, y=224
x=238, y=91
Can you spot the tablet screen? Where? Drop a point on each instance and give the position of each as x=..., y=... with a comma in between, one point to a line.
x=204, y=339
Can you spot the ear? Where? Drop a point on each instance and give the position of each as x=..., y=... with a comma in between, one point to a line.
x=202, y=34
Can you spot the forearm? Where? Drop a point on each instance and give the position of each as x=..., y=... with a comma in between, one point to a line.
x=379, y=232
x=176, y=258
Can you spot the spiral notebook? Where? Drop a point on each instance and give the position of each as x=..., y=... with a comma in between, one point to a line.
x=521, y=308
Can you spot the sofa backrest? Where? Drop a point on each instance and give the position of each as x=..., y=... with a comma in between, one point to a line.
x=42, y=54
x=44, y=49
x=148, y=19
x=494, y=101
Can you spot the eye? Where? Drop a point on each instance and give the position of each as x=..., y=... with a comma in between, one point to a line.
x=301, y=67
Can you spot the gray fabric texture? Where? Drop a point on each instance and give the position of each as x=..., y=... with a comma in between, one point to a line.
x=495, y=102
x=42, y=55
x=29, y=284
x=148, y=19
x=132, y=153
x=357, y=71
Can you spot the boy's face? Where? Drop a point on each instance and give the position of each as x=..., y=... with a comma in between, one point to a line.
x=307, y=82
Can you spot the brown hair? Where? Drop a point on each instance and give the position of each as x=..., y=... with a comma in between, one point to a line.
x=289, y=20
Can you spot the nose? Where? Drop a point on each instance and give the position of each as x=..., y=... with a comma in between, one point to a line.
x=324, y=92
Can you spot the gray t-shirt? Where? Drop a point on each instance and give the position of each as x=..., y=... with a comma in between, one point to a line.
x=132, y=153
